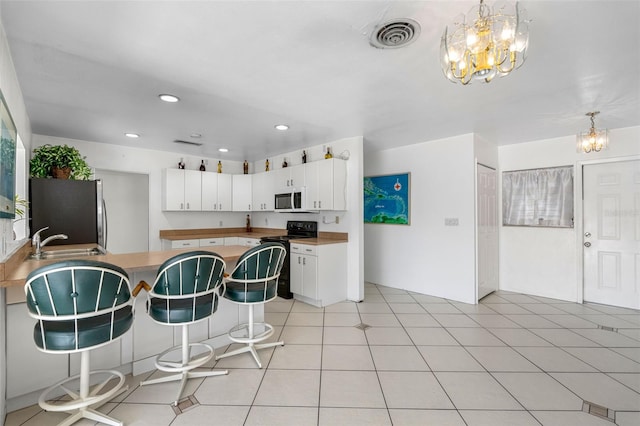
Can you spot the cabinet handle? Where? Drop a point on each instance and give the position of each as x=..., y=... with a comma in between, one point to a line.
x=187, y=206
x=304, y=260
x=181, y=206
x=314, y=204
x=298, y=260
x=220, y=206
x=320, y=204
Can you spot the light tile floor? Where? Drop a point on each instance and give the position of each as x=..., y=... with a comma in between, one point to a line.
x=513, y=359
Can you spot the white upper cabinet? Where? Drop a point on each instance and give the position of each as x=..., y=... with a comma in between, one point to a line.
x=263, y=189
x=242, y=193
x=289, y=177
x=181, y=190
x=216, y=191
x=326, y=182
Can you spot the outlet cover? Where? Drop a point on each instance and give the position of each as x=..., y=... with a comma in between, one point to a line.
x=451, y=221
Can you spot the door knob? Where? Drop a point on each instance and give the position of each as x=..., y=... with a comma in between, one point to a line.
x=587, y=234
x=587, y=244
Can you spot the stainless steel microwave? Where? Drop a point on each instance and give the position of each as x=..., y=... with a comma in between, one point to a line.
x=291, y=200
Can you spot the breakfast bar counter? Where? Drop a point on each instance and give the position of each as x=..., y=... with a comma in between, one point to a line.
x=130, y=262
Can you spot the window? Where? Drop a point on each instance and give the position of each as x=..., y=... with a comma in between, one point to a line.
x=538, y=197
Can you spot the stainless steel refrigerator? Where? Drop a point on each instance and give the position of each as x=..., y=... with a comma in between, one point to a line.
x=71, y=207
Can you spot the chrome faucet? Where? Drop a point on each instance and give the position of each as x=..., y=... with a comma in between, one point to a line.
x=35, y=240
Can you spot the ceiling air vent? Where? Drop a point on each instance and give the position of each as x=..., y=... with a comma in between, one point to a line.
x=188, y=142
x=395, y=34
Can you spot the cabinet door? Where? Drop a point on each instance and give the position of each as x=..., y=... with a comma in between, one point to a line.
x=310, y=277
x=311, y=181
x=192, y=190
x=241, y=193
x=231, y=241
x=173, y=189
x=29, y=369
x=209, y=191
x=296, y=273
x=296, y=176
x=225, y=194
x=325, y=185
x=281, y=178
x=262, y=188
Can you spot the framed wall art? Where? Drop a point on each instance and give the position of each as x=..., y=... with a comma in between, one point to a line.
x=387, y=198
x=8, y=137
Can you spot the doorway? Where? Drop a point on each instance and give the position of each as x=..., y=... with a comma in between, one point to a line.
x=487, y=231
x=611, y=233
x=126, y=196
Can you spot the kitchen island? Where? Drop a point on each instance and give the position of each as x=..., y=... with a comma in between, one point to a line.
x=133, y=354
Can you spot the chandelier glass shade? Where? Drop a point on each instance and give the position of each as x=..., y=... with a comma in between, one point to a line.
x=484, y=43
x=593, y=140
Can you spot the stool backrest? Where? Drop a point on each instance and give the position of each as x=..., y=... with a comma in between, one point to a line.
x=259, y=264
x=76, y=288
x=193, y=273
x=72, y=298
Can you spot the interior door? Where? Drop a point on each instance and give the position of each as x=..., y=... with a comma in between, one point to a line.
x=611, y=233
x=487, y=225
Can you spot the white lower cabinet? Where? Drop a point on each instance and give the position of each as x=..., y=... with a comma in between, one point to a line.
x=231, y=241
x=319, y=273
x=28, y=368
x=248, y=242
x=212, y=242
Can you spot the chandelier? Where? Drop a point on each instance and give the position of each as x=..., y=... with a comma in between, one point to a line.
x=483, y=44
x=593, y=139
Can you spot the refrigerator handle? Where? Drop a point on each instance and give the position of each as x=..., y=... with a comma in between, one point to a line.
x=105, y=229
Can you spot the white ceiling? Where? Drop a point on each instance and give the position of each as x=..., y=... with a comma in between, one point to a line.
x=92, y=70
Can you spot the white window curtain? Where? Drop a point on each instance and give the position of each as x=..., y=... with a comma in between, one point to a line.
x=540, y=197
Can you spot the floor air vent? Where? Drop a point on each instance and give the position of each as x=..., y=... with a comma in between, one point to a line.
x=185, y=404
x=599, y=411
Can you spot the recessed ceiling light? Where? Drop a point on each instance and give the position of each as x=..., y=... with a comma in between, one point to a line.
x=169, y=98
x=132, y=135
x=196, y=135
x=223, y=150
x=281, y=126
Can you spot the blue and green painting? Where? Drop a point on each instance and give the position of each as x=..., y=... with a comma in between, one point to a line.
x=386, y=199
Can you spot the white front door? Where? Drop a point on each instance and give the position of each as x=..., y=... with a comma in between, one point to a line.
x=611, y=233
x=487, y=225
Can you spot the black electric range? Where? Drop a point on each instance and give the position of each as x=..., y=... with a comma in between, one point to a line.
x=296, y=229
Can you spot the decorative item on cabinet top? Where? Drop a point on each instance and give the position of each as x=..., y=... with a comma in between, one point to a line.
x=58, y=161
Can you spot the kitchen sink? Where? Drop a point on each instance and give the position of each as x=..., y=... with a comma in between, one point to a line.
x=68, y=253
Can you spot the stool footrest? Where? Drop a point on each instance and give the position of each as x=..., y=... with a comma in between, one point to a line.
x=242, y=333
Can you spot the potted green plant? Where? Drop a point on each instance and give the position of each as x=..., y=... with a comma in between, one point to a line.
x=58, y=161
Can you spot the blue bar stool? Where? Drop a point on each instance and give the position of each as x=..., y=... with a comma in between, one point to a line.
x=80, y=305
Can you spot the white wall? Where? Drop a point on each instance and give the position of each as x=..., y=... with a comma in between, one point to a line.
x=427, y=256
x=546, y=261
x=15, y=103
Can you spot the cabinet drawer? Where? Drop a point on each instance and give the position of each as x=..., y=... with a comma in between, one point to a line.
x=210, y=242
x=230, y=241
x=185, y=243
x=304, y=249
x=249, y=242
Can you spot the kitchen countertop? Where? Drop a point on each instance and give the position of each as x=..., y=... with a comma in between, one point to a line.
x=194, y=234
x=130, y=262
